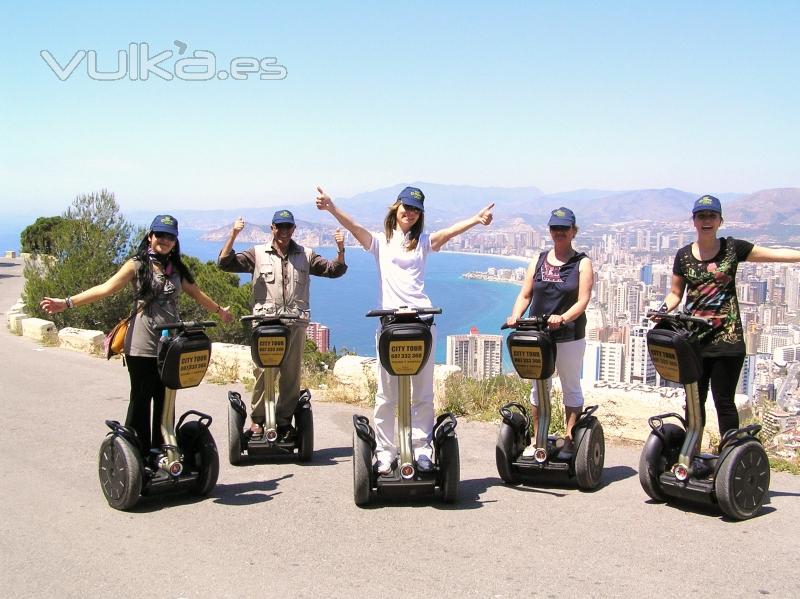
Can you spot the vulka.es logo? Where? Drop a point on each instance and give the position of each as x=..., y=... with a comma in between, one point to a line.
x=137, y=64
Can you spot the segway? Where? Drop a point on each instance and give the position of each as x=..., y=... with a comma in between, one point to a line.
x=736, y=478
x=188, y=460
x=268, y=344
x=533, y=354
x=404, y=346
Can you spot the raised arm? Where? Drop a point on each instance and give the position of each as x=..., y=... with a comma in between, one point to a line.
x=764, y=254
x=198, y=295
x=442, y=236
x=118, y=280
x=363, y=236
x=238, y=225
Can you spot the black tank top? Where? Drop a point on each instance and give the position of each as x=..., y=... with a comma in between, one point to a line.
x=555, y=290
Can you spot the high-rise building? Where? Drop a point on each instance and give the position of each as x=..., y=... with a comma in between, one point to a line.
x=612, y=367
x=319, y=334
x=478, y=356
x=639, y=367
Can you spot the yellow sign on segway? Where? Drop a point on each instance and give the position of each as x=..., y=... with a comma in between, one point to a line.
x=271, y=350
x=192, y=367
x=406, y=356
x=665, y=360
x=527, y=361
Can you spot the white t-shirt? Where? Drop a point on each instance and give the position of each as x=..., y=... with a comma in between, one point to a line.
x=401, y=273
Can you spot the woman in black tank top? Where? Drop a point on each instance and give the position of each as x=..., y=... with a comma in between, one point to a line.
x=559, y=283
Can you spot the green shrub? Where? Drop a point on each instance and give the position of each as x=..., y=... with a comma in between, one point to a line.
x=482, y=398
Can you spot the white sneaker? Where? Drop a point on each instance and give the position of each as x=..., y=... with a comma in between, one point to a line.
x=424, y=463
x=529, y=451
x=383, y=462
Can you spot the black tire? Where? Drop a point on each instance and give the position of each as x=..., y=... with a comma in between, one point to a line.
x=362, y=470
x=200, y=455
x=656, y=458
x=450, y=469
x=590, y=452
x=742, y=480
x=304, y=423
x=120, y=469
x=235, y=426
x=503, y=455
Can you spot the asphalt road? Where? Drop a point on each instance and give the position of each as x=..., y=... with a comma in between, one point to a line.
x=289, y=530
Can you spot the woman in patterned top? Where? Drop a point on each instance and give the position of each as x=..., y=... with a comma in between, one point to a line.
x=706, y=271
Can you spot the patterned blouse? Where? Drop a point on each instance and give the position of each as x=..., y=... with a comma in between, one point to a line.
x=711, y=293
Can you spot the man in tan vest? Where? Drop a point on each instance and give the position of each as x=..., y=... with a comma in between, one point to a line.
x=281, y=284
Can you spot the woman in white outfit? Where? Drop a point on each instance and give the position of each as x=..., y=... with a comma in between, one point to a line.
x=400, y=252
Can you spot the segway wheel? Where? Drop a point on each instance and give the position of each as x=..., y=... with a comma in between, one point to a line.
x=362, y=470
x=742, y=480
x=235, y=426
x=590, y=452
x=304, y=422
x=503, y=455
x=450, y=468
x=120, y=468
x=200, y=454
x=657, y=458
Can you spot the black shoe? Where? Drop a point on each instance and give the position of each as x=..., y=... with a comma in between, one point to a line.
x=286, y=434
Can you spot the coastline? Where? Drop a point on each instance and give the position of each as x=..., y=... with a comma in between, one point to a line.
x=500, y=256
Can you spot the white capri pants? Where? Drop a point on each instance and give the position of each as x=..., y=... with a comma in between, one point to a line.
x=569, y=363
x=422, y=412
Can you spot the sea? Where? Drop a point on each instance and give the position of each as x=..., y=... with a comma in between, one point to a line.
x=341, y=304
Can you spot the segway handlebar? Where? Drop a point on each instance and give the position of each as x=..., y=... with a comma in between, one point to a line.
x=678, y=317
x=270, y=317
x=527, y=323
x=187, y=325
x=404, y=310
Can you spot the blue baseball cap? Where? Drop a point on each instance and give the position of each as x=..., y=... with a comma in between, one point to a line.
x=709, y=203
x=411, y=196
x=164, y=223
x=561, y=217
x=282, y=216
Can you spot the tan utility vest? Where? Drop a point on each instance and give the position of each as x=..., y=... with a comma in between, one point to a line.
x=275, y=294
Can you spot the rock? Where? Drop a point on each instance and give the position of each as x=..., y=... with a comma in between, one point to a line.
x=40, y=330
x=13, y=319
x=229, y=363
x=82, y=340
x=356, y=372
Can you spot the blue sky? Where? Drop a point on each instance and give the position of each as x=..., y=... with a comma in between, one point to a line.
x=615, y=95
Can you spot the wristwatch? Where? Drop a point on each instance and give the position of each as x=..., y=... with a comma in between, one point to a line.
x=341, y=251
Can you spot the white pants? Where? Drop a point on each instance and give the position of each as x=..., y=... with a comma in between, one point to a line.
x=569, y=362
x=422, y=413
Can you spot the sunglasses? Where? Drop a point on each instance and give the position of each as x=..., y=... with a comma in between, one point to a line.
x=559, y=228
x=706, y=214
x=165, y=236
x=284, y=226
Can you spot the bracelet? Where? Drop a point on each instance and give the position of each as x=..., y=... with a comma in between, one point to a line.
x=68, y=301
x=341, y=251
x=218, y=309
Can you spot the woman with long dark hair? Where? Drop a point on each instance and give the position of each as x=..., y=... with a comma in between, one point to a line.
x=159, y=276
